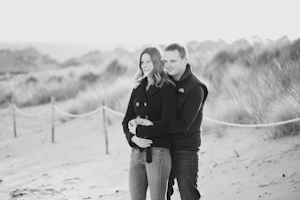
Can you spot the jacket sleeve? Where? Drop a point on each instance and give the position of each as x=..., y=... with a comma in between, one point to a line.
x=168, y=115
x=129, y=115
x=189, y=111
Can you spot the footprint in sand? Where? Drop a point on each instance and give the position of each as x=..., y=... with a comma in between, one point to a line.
x=70, y=181
x=113, y=194
x=33, y=191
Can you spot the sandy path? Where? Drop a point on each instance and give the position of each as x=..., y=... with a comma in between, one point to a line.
x=240, y=165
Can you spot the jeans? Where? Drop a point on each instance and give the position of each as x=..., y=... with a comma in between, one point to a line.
x=185, y=170
x=154, y=174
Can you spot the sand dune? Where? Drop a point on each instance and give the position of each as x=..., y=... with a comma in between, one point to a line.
x=242, y=164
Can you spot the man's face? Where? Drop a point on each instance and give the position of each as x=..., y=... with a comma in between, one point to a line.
x=174, y=64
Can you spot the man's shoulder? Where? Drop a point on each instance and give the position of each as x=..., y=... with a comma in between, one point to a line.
x=192, y=81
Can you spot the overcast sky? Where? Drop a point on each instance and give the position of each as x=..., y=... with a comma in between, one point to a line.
x=132, y=23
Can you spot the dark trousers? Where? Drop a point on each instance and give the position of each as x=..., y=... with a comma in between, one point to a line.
x=185, y=170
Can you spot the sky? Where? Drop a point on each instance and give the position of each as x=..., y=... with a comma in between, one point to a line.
x=133, y=23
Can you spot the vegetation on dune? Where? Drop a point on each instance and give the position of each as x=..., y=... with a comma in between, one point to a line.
x=257, y=85
x=249, y=83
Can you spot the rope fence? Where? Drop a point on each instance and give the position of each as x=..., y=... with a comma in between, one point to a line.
x=52, y=107
x=77, y=116
x=227, y=123
x=253, y=125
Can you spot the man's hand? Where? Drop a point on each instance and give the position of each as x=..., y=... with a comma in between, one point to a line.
x=143, y=122
x=132, y=126
x=141, y=142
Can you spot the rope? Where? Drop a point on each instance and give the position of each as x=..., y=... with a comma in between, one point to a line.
x=31, y=115
x=113, y=111
x=77, y=116
x=227, y=123
x=121, y=114
x=254, y=125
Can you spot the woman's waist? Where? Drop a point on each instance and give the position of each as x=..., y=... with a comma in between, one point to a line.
x=163, y=141
x=160, y=144
x=152, y=149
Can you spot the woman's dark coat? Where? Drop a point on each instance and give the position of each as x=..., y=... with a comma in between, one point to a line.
x=156, y=104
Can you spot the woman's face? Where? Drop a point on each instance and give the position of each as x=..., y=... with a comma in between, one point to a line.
x=146, y=64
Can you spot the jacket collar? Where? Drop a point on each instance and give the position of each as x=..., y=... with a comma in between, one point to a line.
x=141, y=89
x=187, y=73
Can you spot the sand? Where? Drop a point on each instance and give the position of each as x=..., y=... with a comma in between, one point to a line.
x=240, y=164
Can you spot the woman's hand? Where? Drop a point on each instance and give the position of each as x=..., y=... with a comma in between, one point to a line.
x=143, y=122
x=141, y=142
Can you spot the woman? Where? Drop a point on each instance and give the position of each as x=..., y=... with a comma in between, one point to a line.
x=153, y=98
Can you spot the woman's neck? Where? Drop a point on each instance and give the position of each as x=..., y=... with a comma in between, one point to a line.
x=150, y=81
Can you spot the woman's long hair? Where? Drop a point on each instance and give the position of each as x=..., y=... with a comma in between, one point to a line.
x=159, y=75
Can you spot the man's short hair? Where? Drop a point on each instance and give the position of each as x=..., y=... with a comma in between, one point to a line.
x=183, y=53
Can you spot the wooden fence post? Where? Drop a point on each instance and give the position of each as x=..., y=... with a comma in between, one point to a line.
x=105, y=127
x=53, y=120
x=14, y=116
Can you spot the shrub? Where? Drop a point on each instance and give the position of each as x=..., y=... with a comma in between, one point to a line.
x=295, y=50
x=283, y=109
x=116, y=96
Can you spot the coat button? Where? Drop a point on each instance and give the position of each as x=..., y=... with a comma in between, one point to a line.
x=137, y=104
x=145, y=104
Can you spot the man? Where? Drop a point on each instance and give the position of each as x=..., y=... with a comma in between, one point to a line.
x=186, y=136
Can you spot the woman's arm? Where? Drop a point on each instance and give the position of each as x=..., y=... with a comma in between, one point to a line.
x=130, y=114
x=131, y=138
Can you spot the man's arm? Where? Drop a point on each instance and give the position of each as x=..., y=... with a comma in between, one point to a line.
x=189, y=111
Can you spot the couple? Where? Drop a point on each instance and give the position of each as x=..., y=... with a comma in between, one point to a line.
x=163, y=125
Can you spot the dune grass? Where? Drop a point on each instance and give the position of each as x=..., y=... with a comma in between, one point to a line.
x=264, y=91
x=253, y=86
x=115, y=95
x=39, y=87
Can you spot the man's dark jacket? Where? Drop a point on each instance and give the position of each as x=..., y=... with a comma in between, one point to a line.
x=191, y=94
